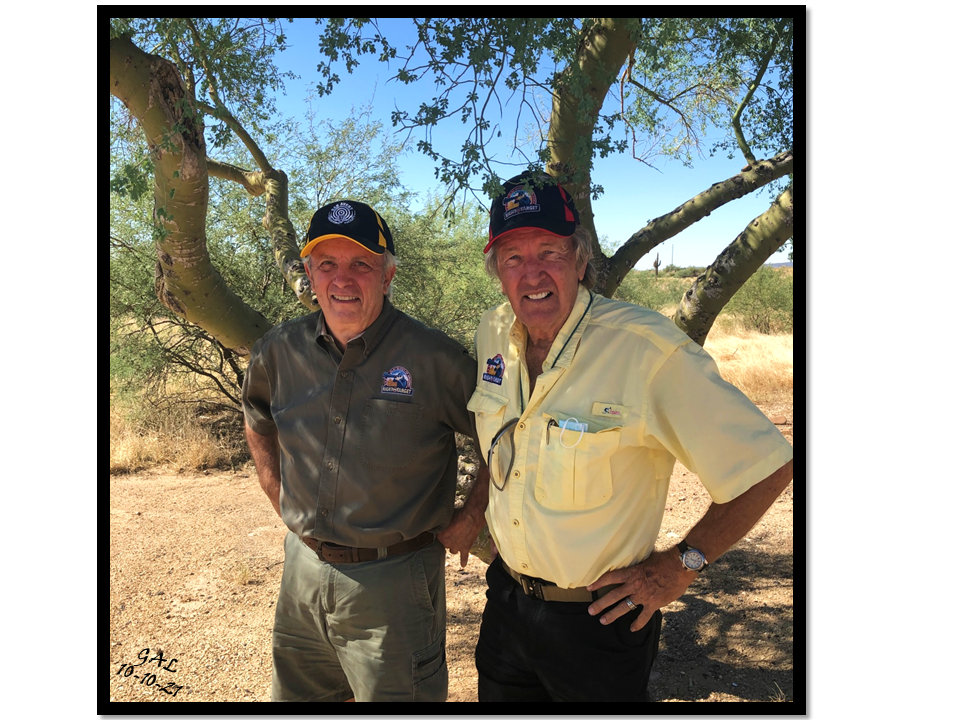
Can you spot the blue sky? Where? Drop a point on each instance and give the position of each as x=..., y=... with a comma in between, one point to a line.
x=634, y=193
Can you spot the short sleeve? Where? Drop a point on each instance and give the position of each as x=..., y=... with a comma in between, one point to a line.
x=257, y=393
x=461, y=384
x=710, y=426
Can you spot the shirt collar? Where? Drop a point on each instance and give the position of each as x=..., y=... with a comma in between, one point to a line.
x=370, y=337
x=565, y=344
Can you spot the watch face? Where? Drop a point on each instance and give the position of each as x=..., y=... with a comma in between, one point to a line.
x=693, y=559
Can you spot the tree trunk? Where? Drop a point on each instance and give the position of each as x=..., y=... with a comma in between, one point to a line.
x=186, y=281
x=577, y=101
x=702, y=303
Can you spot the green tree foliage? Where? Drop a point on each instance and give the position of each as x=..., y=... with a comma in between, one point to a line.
x=197, y=103
x=155, y=349
x=440, y=279
x=652, y=86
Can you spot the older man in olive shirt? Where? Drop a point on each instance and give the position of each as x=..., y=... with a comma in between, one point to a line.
x=350, y=415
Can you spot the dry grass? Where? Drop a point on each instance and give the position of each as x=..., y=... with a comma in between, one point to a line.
x=760, y=365
x=174, y=437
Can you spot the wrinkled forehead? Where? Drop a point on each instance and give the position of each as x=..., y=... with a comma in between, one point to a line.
x=532, y=239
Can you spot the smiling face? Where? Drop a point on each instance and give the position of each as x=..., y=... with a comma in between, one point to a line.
x=350, y=283
x=539, y=275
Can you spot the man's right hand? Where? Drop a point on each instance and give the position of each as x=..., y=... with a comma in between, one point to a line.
x=460, y=535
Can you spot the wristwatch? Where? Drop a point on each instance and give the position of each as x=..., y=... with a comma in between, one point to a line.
x=691, y=558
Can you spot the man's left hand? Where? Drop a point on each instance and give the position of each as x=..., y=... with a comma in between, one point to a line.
x=654, y=583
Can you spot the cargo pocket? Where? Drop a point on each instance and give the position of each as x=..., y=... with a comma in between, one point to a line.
x=390, y=435
x=578, y=477
x=430, y=672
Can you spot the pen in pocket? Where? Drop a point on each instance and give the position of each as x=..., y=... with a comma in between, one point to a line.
x=551, y=423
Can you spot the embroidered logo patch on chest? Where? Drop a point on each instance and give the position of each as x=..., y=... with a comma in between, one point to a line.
x=494, y=373
x=397, y=381
x=610, y=410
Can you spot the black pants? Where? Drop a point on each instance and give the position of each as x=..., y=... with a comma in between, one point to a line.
x=531, y=650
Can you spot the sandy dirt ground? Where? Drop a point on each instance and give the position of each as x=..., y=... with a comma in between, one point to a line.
x=195, y=565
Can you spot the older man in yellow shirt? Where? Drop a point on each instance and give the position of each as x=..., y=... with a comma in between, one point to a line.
x=583, y=405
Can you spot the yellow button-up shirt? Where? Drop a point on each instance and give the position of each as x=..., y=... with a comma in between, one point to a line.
x=579, y=501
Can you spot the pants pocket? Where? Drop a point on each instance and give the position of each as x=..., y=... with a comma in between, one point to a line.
x=430, y=672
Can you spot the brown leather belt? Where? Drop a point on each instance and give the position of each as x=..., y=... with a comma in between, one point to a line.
x=545, y=590
x=338, y=554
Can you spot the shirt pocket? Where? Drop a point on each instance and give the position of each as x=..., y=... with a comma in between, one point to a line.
x=576, y=476
x=390, y=435
x=489, y=410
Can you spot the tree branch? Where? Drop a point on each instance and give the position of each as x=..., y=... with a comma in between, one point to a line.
x=710, y=292
x=220, y=111
x=252, y=181
x=667, y=226
x=738, y=132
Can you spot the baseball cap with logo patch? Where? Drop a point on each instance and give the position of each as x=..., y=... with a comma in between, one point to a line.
x=351, y=220
x=549, y=208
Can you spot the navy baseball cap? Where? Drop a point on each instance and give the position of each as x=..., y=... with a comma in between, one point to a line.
x=549, y=208
x=350, y=220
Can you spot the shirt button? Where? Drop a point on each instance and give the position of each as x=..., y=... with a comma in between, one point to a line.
x=324, y=512
x=329, y=466
x=523, y=565
x=521, y=426
x=343, y=374
x=516, y=473
x=516, y=523
x=336, y=420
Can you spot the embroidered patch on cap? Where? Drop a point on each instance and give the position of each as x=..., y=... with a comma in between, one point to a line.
x=519, y=200
x=611, y=410
x=494, y=373
x=397, y=381
x=341, y=213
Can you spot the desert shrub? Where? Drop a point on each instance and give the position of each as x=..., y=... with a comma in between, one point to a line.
x=765, y=302
x=642, y=288
x=691, y=271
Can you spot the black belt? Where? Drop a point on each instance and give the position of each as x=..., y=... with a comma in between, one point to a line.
x=337, y=554
x=546, y=590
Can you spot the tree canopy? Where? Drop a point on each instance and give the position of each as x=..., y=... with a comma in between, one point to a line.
x=199, y=104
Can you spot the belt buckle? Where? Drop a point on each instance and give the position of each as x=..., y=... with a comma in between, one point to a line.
x=531, y=587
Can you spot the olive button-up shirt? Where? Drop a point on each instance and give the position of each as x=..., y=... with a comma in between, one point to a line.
x=367, y=447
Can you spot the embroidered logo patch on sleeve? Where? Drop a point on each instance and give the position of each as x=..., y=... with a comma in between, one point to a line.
x=494, y=373
x=397, y=381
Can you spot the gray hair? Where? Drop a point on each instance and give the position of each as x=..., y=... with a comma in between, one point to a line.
x=389, y=261
x=582, y=246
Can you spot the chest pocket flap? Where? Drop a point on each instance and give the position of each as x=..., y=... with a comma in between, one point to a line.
x=489, y=409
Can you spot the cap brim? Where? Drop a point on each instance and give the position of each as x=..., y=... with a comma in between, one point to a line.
x=308, y=248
